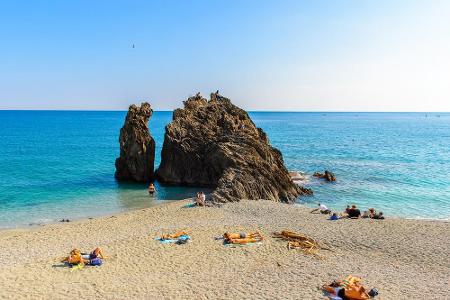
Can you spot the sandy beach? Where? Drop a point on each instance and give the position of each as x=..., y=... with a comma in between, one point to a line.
x=403, y=259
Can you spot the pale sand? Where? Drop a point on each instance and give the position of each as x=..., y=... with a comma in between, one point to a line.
x=404, y=259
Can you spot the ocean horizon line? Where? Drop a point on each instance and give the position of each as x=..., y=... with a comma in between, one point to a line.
x=251, y=111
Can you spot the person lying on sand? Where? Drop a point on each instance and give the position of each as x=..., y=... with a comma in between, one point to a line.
x=97, y=253
x=349, y=289
x=322, y=208
x=173, y=236
x=76, y=257
x=242, y=238
x=354, y=212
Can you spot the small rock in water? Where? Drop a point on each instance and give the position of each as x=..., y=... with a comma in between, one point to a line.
x=328, y=176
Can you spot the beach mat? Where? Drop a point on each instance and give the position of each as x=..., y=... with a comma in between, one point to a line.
x=170, y=241
x=242, y=245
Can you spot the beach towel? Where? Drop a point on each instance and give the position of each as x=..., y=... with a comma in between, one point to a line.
x=76, y=267
x=180, y=240
x=189, y=205
x=241, y=245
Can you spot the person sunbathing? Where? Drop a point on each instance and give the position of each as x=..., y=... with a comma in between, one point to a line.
x=97, y=253
x=350, y=288
x=173, y=236
x=242, y=238
x=76, y=257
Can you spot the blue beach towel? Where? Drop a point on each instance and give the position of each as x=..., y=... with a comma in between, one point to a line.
x=181, y=240
x=189, y=205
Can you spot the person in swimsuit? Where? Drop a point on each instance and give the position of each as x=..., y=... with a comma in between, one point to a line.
x=151, y=189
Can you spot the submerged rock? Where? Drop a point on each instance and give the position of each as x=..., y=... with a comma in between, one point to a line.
x=215, y=144
x=137, y=147
x=328, y=176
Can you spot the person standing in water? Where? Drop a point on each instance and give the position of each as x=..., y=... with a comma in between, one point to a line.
x=151, y=189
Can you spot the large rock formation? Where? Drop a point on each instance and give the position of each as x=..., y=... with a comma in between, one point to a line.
x=137, y=147
x=215, y=144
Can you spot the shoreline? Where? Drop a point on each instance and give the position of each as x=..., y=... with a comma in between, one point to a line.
x=166, y=202
x=87, y=218
x=401, y=258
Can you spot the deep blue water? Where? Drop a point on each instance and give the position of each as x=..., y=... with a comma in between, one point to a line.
x=59, y=164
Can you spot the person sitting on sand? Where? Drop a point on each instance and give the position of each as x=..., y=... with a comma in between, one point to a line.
x=334, y=217
x=354, y=212
x=173, y=236
x=322, y=208
x=369, y=213
x=197, y=200
x=378, y=216
x=201, y=199
x=75, y=258
x=151, y=189
x=344, y=214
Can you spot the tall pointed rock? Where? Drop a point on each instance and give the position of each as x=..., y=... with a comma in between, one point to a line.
x=137, y=147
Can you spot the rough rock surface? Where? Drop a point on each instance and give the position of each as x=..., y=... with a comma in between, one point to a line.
x=137, y=147
x=215, y=144
x=328, y=176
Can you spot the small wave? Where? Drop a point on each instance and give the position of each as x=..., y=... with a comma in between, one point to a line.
x=439, y=219
x=300, y=177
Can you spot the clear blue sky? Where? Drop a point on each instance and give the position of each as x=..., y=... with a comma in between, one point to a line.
x=264, y=55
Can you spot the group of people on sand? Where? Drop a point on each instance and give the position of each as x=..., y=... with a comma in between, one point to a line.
x=351, y=212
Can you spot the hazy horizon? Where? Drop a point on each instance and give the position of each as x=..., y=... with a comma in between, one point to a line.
x=305, y=56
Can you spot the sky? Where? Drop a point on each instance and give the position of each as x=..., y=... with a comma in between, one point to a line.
x=286, y=55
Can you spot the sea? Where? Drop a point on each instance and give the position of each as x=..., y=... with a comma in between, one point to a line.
x=60, y=164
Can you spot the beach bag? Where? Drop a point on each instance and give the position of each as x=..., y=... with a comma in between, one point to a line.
x=96, y=262
x=373, y=292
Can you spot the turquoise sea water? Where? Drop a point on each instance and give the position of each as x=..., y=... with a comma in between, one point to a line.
x=58, y=164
